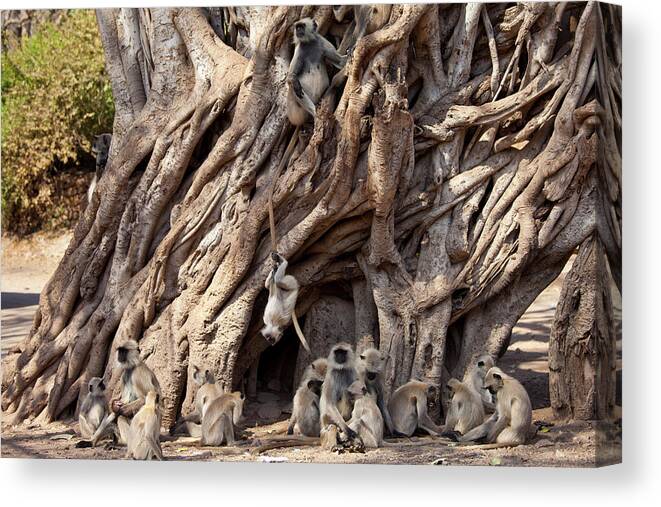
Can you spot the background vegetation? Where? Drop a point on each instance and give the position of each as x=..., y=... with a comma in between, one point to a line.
x=55, y=98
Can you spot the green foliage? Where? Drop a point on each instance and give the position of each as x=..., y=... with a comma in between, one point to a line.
x=55, y=98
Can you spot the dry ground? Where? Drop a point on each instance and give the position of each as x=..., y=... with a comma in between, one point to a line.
x=26, y=265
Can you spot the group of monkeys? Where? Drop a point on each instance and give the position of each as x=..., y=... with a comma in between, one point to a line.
x=340, y=400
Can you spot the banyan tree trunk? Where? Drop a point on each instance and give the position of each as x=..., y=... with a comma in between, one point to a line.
x=440, y=188
x=582, y=360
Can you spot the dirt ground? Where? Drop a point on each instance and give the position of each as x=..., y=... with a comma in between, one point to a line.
x=27, y=264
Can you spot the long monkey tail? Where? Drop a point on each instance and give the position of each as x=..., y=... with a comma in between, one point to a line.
x=299, y=332
x=281, y=165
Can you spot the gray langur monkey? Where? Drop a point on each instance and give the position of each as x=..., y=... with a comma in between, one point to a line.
x=367, y=19
x=510, y=424
x=475, y=379
x=316, y=369
x=281, y=305
x=408, y=409
x=100, y=150
x=335, y=406
x=145, y=431
x=307, y=77
x=208, y=389
x=466, y=410
x=94, y=407
x=136, y=381
x=366, y=419
x=371, y=370
x=305, y=411
x=219, y=415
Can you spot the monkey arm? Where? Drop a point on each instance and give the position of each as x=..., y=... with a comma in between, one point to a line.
x=424, y=421
x=501, y=423
x=331, y=54
x=130, y=409
x=453, y=417
x=332, y=415
x=383, y=407
x=480, y=431
x=292, y=424
x=301, y=97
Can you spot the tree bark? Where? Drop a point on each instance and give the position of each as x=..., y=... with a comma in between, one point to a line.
x=582, y=352
x=454, y=170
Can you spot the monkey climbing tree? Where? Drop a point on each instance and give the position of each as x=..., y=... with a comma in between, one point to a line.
x=442, y=186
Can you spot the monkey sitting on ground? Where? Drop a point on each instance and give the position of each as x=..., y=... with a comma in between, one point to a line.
x=370, y=371
x=307, y=77
x=366, y=419
x=219, y=415
x=208, y=389
x=510, y=424
x=305, y=411
x=475, y=378
x=408, y=409
x=100, y=150
x=136, y=381
x=335, y=405
x=94, y=407
x=145, y=430
x=280, y=307
x=466, y=410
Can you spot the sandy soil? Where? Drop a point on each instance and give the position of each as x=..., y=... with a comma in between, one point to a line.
x=27, y=264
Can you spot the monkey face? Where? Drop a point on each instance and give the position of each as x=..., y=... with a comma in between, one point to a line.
x=315, y=386
x=305, y=29
x=96, y=385
x=272, y=334
x=371, y=376
x=122, y=354
x=493, y=381
x=340, y=356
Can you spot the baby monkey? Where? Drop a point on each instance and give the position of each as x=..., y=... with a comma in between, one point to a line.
x=94, y=407
x=371, y=372
x=145, y=430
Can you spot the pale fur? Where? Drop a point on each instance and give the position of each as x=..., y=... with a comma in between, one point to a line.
x=93, y=409
x=510, y=424
x=219, y=415
x=305, y=418
x=408, y=409
x=371, y=369
x=475, y=379
x=144, y=432
x=334, y=405
x=466, y=410
x=366, y=419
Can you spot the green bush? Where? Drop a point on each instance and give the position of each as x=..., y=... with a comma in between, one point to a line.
x=55, y=98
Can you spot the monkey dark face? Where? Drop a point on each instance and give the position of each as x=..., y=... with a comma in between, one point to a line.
x=315, y=386
x=122, y=354
x=305, y=29
x=340, y=355
x=371, y=376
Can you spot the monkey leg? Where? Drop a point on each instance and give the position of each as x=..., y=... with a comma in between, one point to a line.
x=106, y=428
x=123, y=426
x=86, y=430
